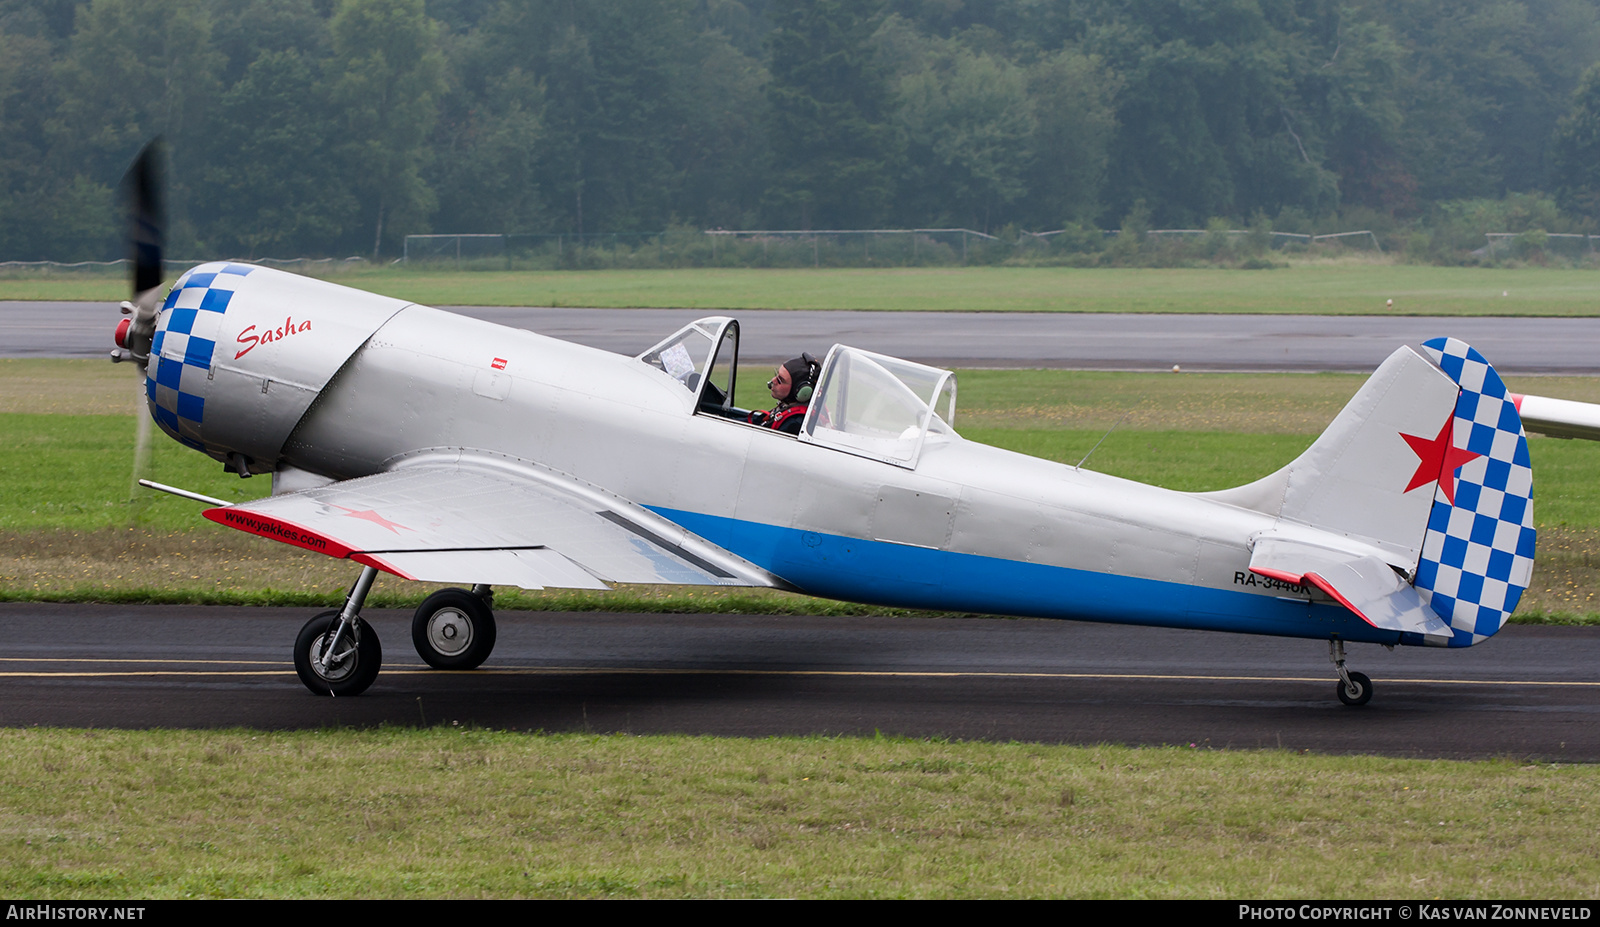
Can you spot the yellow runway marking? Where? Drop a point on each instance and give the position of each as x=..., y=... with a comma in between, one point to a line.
x=407, y=669
x=957, y=674
x=127, y=674
x=163, y=662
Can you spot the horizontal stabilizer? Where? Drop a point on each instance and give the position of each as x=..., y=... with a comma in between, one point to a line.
x=1361, y=582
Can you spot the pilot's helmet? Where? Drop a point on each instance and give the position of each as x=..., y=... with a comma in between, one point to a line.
x=802, y=377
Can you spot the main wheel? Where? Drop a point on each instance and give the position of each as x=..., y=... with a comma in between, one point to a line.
x=350, y=674
x=453, y=630
x=1363, y=687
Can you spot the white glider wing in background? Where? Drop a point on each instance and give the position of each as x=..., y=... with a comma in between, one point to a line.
x=1559, y=418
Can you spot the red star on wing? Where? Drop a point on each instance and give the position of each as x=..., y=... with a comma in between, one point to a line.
x=374, y=517
x=1440, y=459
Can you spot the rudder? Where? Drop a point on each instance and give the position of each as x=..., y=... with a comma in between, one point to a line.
x=1477, y=553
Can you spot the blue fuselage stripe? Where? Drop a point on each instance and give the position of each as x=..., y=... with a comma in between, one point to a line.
x=907, y=576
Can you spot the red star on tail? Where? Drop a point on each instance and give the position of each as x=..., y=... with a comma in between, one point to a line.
x=1440, y=459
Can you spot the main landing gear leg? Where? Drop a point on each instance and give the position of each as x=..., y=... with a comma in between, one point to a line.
x=1354, y=688
x=337, y=652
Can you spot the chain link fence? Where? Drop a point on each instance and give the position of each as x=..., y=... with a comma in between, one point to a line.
x=684, y=246
x=1536, y=243
x=169, y=265
x=688, y=247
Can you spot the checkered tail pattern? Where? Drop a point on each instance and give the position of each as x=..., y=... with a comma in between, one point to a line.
x=180, y=355
x=1477, y=555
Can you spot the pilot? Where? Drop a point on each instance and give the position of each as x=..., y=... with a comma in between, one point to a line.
x=792, y=386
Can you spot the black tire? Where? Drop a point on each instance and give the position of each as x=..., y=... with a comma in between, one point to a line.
x=453, y=630
x=1361, y=682
x=350, y=676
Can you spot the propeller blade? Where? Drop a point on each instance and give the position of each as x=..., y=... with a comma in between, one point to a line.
x=143, y=189
x=146, y=217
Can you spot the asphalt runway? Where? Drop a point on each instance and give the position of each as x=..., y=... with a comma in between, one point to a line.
x=1530, y=693
x=974, y=339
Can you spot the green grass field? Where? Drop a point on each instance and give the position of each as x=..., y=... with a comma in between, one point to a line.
x=1350, y=287
x=457, y=813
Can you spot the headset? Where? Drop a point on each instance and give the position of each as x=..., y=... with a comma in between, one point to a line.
x=801, y=391
x=813, y=367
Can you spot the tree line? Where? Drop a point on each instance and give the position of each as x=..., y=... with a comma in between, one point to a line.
x=302, y=127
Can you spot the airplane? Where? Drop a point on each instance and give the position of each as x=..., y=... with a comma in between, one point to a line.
x=444, y=449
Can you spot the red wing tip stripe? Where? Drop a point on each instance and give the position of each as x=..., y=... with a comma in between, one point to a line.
x=380, y=563
x=1293, y=579
x=1327, y=587
x=1516, y=400
x=278, y=530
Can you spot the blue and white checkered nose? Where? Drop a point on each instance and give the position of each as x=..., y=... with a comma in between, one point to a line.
x=240, y=352
x=179, y=371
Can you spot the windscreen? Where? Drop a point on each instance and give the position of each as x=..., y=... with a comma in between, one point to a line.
x=684, y=356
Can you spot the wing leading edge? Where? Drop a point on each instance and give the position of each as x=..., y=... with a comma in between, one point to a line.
x=450, y=517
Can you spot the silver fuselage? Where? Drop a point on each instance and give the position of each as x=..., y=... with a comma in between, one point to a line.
x=420, y=385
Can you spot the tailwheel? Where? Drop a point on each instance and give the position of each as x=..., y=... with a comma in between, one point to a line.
x=334, y=663
x=1356, y=690
x=454, y=629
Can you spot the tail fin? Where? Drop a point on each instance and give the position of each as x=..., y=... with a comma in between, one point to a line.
x=1414, y=426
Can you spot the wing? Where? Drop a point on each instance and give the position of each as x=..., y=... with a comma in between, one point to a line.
x=462, y=520
x=1559, y=418
x=1362, y=582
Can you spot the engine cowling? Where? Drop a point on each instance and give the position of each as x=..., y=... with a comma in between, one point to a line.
x=240, y=351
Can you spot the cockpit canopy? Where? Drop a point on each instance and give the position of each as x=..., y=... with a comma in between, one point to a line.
x=880, y=407
x=866, y=404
